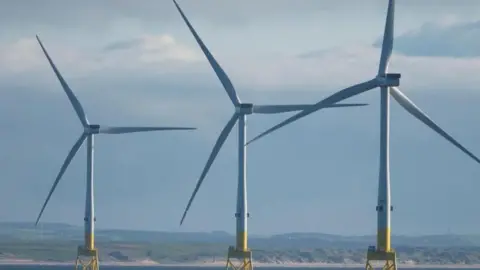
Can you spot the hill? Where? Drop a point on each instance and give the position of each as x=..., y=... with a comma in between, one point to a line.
x=57, y=242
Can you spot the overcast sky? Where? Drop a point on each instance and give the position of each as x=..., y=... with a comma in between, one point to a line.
x=137, y=64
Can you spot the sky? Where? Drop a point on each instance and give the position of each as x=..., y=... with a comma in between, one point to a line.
x=135, y=63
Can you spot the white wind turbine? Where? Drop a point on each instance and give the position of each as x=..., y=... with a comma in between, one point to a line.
x=240, y=251
x=89, y=131
x=388, y=84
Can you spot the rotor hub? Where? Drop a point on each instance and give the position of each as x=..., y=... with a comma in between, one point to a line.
x=244, y=108
x=389, y=80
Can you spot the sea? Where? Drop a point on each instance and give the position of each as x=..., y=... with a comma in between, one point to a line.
x=62, y=267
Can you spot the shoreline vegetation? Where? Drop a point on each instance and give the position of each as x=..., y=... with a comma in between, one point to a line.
x=213, y=254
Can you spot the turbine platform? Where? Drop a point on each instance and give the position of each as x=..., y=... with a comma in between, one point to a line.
x=389, y=257
x=87, y=259
x=239, y=259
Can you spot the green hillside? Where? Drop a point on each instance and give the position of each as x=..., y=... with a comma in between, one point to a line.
x=57, y=242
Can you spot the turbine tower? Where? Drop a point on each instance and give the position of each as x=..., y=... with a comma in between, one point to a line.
x=87, y=255
x=240, y=251
x=388, y=84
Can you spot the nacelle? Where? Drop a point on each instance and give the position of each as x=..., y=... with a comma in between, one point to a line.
x=394, y=75
x=389, y=80
x=245, y=108
x=94, y=128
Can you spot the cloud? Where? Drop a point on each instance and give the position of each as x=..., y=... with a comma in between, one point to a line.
x=21, y=56
x=94, y=14
x=24, y=59
x=118, y=76
x=440, y=39
x=157, y=53
x=340, y=67
x=154, y=48
x=163, y=58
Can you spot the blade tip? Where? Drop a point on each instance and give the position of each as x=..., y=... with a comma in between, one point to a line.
x=183, y=217
x=249, y=142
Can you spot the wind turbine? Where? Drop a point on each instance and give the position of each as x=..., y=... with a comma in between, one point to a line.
x=88, y=250
x=241, y=250
x=388, y=83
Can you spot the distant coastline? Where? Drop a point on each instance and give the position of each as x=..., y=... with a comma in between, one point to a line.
x=56, y=244
x=147, y=262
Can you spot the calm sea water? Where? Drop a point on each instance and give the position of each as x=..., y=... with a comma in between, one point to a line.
x=32, y=267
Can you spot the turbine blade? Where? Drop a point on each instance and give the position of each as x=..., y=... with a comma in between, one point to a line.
x=221, y=139
x=408, y=105
x=227, y=84
x=336, y=105
x=272, y=109
x=122, y=130
x=71, y=96
x=387, y=43
x=325, y=103
x=67, y=161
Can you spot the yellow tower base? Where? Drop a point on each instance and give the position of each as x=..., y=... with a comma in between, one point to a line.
x=239, y=259
x=86, y=259
x=389, y=257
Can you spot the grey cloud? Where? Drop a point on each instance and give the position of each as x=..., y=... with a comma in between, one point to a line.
x=91, y=14
x=458, y=40
x=435, y=40
x=122, y=45
x=98, y=14
x=312, y=54
x=91, y=11
x=159, y=43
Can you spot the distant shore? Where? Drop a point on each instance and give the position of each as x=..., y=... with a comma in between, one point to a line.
x=147, y=262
